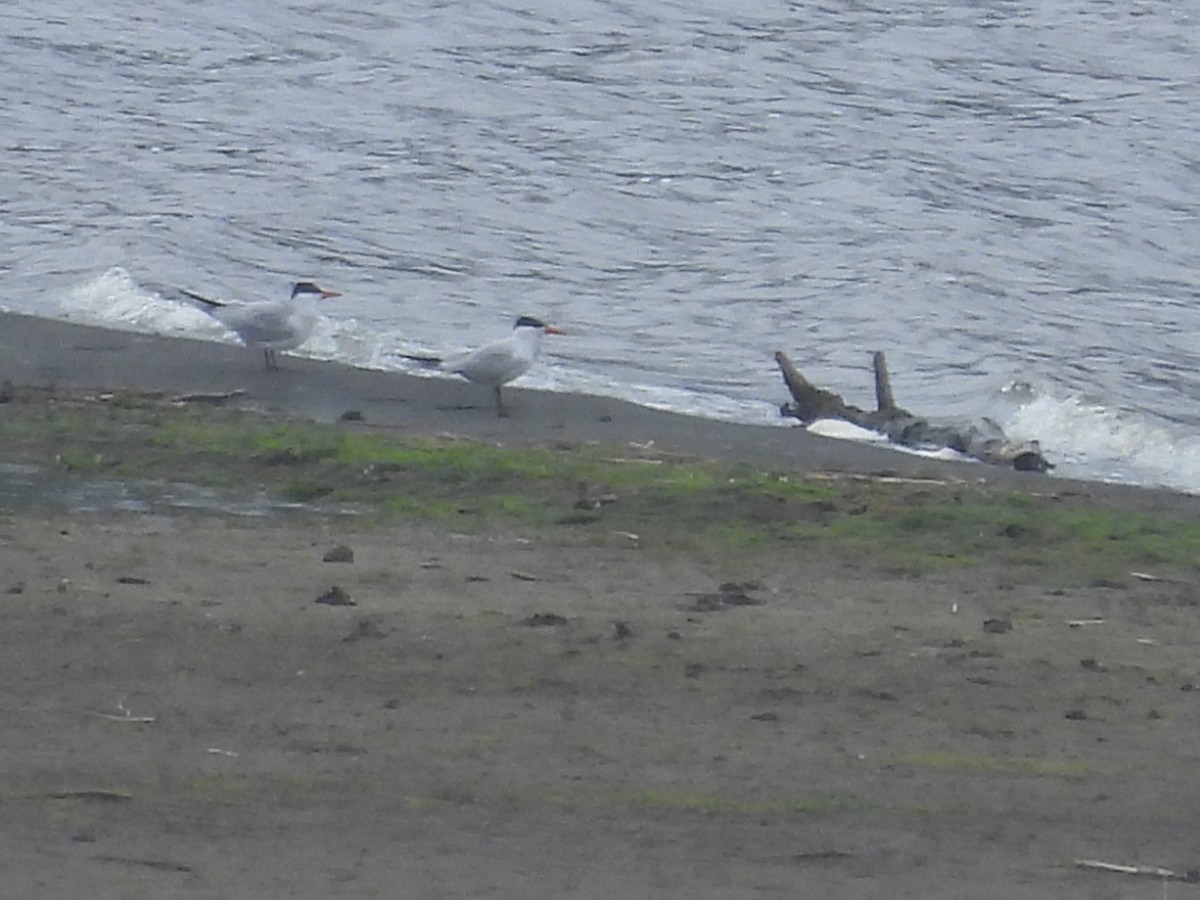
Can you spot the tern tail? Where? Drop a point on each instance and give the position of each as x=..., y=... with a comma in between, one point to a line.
x=216, y=304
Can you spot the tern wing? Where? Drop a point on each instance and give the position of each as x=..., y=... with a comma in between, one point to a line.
x=258, y=323
x=494, y=364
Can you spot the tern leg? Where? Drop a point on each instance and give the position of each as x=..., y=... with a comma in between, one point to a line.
x=501, y=409
x=269, y=358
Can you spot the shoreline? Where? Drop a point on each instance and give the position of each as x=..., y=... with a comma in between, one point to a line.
x=38, y=351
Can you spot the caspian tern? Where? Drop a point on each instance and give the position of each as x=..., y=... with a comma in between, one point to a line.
x=499, y=363
x=269, y=324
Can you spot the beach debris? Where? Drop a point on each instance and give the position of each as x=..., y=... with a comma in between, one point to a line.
x=125, y=715
x=983, y=440
x=352, y=415
x=102, y=794
x=543, y=620
x=884, y=478
x=335, y=596
x=1080, y=623
x=1076, y=715
x=132, y=579
x=1146, y=576
x=523, y=576
x=476, y=579
x=1191, y=876
x=339, y=554
x=213, y=397
x=730, y=593
x=161, y=865
x=217, y=751
x=1089, y=663
x=997, y=626
x=621, y=631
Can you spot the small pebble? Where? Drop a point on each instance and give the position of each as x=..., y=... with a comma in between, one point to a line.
x=335, y=596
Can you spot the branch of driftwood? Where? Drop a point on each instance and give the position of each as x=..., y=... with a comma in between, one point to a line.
x=984, y=440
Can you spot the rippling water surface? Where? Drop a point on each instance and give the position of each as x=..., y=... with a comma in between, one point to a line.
x=992, y=193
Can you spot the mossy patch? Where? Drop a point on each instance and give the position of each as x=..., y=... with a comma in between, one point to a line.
x=723, y=509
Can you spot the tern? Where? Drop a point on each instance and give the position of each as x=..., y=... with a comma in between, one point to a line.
x=499, y=363
x=270, y=324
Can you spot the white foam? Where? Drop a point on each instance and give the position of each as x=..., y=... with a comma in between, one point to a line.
x=1090, y=440
x=115, y=300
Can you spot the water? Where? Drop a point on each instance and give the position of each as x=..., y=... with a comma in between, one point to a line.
x=1001, y=196
x=37, y=488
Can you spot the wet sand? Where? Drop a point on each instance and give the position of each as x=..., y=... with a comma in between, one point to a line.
x=37, y=351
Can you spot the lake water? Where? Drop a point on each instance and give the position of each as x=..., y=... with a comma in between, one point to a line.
x=996, y=194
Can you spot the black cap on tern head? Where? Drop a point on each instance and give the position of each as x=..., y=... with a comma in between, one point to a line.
x=307, y=287
x=529, y=322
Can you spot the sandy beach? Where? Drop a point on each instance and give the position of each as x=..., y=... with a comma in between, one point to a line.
x=192, y=710
x=43, y=352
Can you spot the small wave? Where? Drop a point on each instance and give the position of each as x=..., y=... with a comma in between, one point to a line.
x=115, y=300
x=1092, y=441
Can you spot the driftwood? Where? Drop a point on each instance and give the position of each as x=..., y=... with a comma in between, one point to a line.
x=1191, y=876
x=984, y=441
